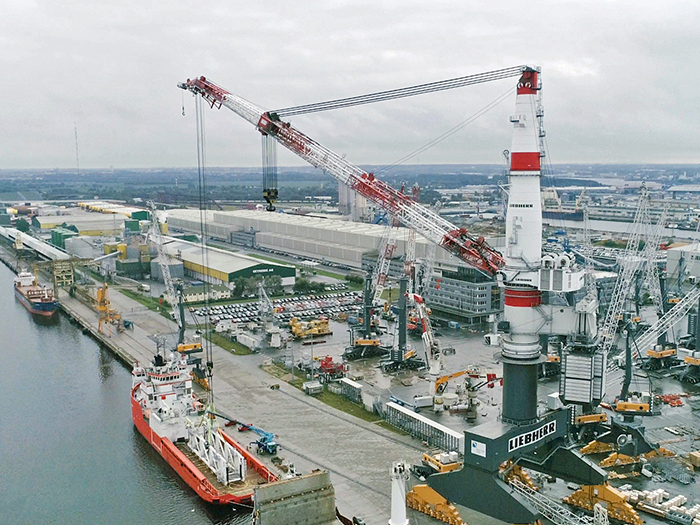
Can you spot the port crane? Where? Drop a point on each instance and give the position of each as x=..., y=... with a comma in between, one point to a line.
x=174, y=297
x=458, y=241
x=170, y=293
x=476, y=485
x=432, y=347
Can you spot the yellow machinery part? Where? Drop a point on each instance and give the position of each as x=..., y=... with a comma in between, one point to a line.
x=630, y=406
x=510, y=471
x=588, y=419
x=660, y=354
x=616, y=459
x=660, y=452
x=692, y=361
x=203, y=381
x=597, y=447
x=611, y=498
x=184, y=348
x=424, y=499
x=432, y=461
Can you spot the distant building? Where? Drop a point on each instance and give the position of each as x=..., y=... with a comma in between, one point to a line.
x=351, y=203
x=464, y=294
x=198, y=293
x=315, y=238
x=683, y=262
x=223, y=267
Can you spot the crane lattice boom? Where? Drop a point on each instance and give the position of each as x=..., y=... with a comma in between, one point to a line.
x=629, y=265
x=474, y=251
x=163, y=259
x=669, y=319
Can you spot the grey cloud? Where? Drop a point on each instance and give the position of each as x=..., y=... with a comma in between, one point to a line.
x=619, y=77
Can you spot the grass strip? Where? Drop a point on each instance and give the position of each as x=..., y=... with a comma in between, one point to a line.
x=329, y=398
x=234, y=347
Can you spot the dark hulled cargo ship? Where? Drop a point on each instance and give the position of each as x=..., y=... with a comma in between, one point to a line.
x=38, y=300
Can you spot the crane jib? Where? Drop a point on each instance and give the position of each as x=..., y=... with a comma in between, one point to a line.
x=436, y=229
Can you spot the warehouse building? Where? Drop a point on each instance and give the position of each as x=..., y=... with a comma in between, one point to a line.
x=309, y=237
x=111, y=207
x=218, y=266
x=92, y=224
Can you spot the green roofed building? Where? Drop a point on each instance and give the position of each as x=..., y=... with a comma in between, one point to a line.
x=218, y=266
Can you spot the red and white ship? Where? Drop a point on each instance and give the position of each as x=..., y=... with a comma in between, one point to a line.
x=167, y=413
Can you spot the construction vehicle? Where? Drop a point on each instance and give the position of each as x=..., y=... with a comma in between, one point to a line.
x=406, y=361
x=266, y=313
x=442, y=382
x=432, y=347
x=364, y=342
x=266, y=443
x=329, y=370
x=661, y=356
x=302, y=329
x=629, y=403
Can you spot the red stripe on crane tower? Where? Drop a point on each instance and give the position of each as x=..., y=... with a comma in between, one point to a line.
x=520, y=161
x=522, y=298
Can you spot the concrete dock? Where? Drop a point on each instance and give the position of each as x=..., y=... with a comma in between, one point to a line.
x=312, y=435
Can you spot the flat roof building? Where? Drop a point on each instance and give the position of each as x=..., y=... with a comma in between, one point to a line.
x=310, y=237
x=224, y=267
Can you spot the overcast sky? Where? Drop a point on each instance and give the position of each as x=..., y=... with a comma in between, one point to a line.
x=620, y=78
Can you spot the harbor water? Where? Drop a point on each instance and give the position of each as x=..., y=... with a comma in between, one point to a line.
x=69, y=452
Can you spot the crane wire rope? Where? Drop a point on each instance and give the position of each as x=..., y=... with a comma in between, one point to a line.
x=400, y=92
x=448, y=133
x=201, y=174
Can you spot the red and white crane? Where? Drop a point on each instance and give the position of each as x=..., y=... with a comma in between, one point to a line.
x=472, y=250
x=432, y=347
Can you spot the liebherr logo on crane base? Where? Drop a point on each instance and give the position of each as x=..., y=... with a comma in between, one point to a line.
x=528, y=438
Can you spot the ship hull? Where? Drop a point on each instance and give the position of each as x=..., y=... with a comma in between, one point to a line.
x=45, y=309
x=187, y=470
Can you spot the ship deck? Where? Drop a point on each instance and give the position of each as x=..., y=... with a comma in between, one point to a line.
x=241, y=489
